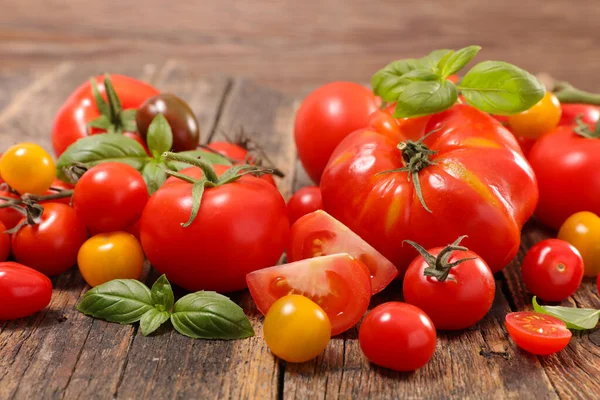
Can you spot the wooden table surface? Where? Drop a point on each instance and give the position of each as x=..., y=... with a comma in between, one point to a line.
x=60, y=353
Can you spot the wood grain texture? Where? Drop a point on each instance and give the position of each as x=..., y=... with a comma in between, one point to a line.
x=294, y=46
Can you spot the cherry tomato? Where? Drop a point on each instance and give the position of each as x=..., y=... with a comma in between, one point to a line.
x=338, y=283
x=398, y=336
x=552, y=270
x=457, y=301
x=539, y=119
x=239, y=155
x=582, y=230
x=71, y=121
x=589, y=114
x=27, y=168
x=51, y=246
x=110, y=197
x=60, y=186
x=537, y=333
x=304, y=201
x=296, y=329
x=4, y=243
x=598, y=284
x=9, y=216
x=179, y=115
x=135, y=230
x=319, y=234
x=327, y=116
x=108, y=256
x=23, y=291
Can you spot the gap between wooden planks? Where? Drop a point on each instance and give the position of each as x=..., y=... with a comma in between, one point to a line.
x=60, y=353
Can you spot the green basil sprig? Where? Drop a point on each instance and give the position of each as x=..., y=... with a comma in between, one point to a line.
x=205, y=315
x=420, y=86
x=575, y=318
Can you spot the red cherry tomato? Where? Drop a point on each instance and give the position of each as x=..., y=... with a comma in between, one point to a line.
x=135, y=230
x=589, y=114
x=456, y=302
x=319, y=234
x=23, y=291
x=327, y=116
x=552, y=270
x=110, y=197
x=339, y=284
x=9, y=216
x=304, y=201
x=60, y=185
x=70, y=123
x=398, y=336
x=537, y=333
x=239, y=155
x=4, y=243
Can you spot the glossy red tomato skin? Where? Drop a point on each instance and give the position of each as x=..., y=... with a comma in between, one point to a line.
x=110, y=197
x=51, y=247
x=241, y=227
x=23, y=291
x=4, y=243
x=542, y=335
x=70, y=123
x=9, y=216
x=304, y=201
x=458, y=302
x=566, y=166
x=58, y=184
x=397, y=336
x=466, y=194
x=589, y=114
x=239, y=155
x=327, y=116
x=552, y=270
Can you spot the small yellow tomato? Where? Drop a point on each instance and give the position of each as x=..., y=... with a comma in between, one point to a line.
x=539, y=119
x=108, y=256
x=582, y=230
x=296, y=329
x=27, y=168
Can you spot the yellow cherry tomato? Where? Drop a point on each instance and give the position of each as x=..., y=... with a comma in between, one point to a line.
x=108, y=256
x=296, y=329
x=582, y=230
x=539, y=119
x=27, y=168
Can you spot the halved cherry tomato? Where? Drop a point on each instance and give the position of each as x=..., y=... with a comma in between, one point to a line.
x=552, y=270
x=319, y=234
x=23, y=291
x=537, y=333
x=339, y=284
x=304, y=201
x=296, y=329
x=582, y=230
x=539, y=119
x=27, y=168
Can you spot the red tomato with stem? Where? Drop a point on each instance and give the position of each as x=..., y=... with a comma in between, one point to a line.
x=326, y=117
x=452, y=285
x=241, y=226
x=570, y=111
x=457, y=166
x=51, y=246
x=110, y=197
x=56, y=187
x=23, y=291
x=304, y=201
x=537, y=333
x=4, y=243
x=71, y=121
x=319, y=234
x=552, y=270
x=397, y=336
x=9, y=216
x=339, y=284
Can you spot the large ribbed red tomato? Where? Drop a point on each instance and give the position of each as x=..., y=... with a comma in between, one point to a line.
x=473, y=177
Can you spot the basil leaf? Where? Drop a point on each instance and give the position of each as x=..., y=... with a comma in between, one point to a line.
x=433, y=59
x=455, y=61
x=575, y=318
x=160, y=136
x=501, y=88
x=213, y=158
x=422, y=98
x=96, y=149
x=209, y=315
x=120, y=300
x=154, y=175
x=385, y=82
x=152, y=320
x=162, y=294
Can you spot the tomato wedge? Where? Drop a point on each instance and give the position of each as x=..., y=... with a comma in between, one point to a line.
x=537, y=333
x=338, y=283
x=319, y=234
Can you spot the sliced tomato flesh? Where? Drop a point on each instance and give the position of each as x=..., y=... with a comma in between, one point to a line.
x=339, y=283
x=537, y=333
x=319, y=234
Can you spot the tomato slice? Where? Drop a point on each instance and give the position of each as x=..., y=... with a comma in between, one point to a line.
x=537, y=333
x=338, y=283
x=319, y=234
